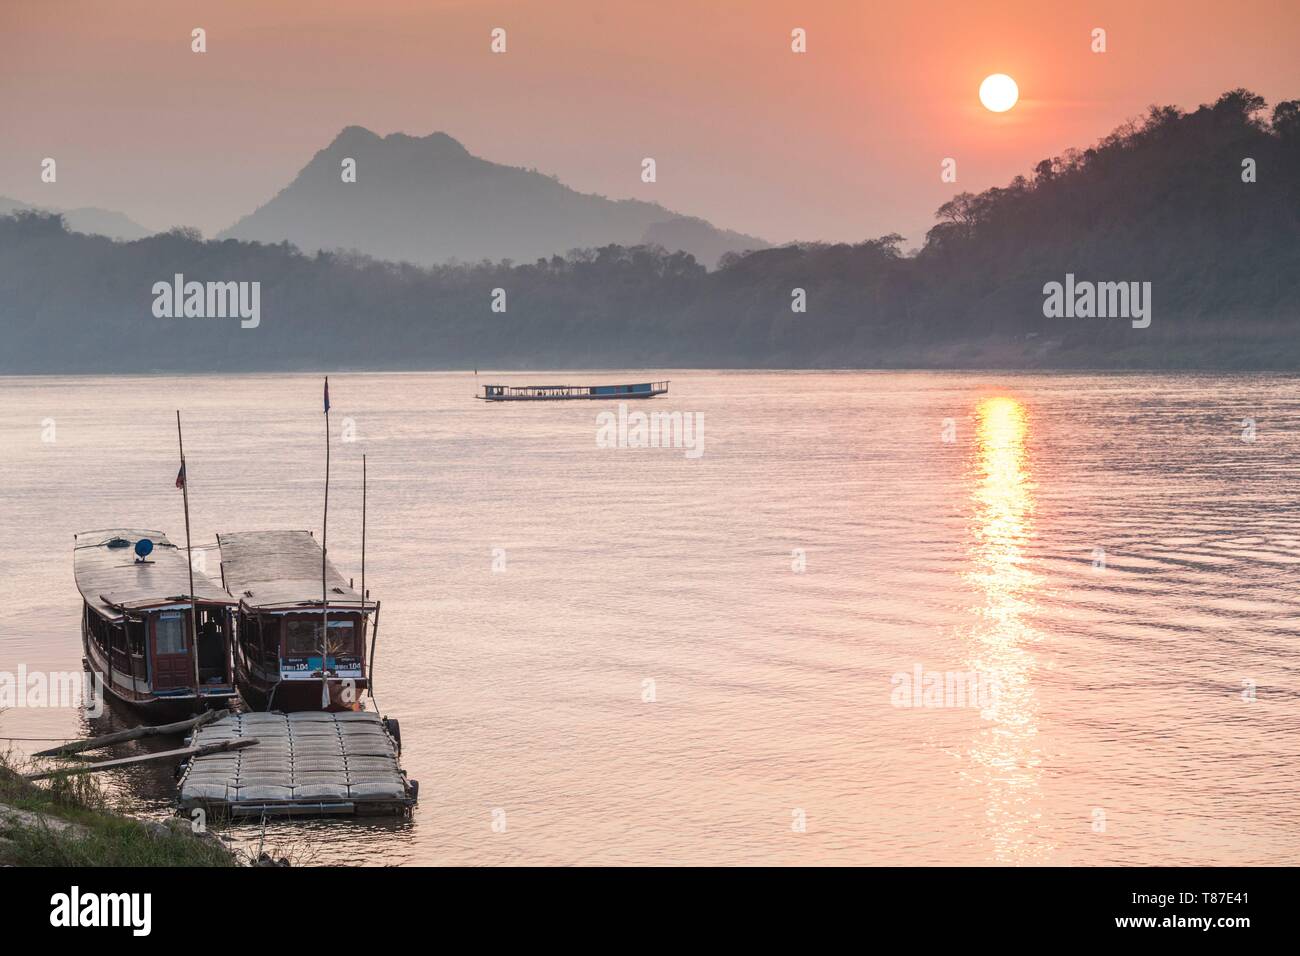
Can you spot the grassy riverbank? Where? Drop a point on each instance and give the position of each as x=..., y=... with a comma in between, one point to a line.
x=66, y=821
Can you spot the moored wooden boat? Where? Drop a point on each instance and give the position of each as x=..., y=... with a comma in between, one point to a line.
x=276, y=578
x=136, y=623
x=551, y=393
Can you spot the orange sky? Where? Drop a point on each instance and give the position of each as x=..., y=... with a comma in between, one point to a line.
x=841, y=143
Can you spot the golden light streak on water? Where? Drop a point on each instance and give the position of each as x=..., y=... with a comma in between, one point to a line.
x=1004, y=753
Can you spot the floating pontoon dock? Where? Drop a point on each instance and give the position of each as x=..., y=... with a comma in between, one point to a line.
x=304, y=764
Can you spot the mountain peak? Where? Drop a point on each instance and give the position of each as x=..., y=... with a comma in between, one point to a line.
x=438, y=143
x=87, y=219
x=427, y=199
x=354, y=135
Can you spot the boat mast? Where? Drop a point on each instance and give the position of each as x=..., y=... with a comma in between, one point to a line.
x=364, y=616
x=365, y=595
x=189, y=559
x=324, y=538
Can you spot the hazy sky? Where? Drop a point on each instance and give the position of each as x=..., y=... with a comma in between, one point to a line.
x=843, y=142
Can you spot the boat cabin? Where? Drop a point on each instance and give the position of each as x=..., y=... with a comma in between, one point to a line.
x=137, y=628
x=287, y=627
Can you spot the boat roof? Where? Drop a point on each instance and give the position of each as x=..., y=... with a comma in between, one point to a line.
x=280, y=570
x=112, y=581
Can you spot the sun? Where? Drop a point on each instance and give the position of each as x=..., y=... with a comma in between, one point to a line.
x=999, y=92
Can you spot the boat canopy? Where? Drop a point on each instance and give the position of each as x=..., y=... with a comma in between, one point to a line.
x=281, y=571
x=112, y=579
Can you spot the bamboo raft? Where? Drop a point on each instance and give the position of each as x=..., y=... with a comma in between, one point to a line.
x=304, y=764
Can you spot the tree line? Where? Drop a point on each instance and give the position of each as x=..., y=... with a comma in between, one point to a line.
x=1205, y=205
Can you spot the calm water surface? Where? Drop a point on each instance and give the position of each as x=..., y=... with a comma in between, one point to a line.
x=1108, y=551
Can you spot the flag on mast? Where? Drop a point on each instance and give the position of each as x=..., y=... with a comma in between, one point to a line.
x=180, y=476
x=327, y=394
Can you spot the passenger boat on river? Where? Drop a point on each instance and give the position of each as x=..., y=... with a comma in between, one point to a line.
x=136, y=624
x=550, y=393
x=276, y=578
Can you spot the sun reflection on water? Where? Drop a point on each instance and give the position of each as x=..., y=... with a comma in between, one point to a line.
x=1004, y=754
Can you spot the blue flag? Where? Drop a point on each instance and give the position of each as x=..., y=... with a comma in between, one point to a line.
x=327, y=394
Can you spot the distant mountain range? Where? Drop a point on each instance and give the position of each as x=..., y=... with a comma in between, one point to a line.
x=88, y=219
x=1177, y=238
x=428, y=200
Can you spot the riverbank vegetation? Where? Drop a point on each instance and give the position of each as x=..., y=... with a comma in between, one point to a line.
x=66, y=821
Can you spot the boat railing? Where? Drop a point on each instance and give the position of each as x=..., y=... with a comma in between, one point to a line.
x=125, y=662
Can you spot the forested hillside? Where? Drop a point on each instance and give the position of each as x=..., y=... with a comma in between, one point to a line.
x=1161, y=200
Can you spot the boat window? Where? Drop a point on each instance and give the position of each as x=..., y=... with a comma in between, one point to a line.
x=135, y=637
x=268, y=636
x=342, y=638
x=301, y=638
x=96, y=625
x=170, y=634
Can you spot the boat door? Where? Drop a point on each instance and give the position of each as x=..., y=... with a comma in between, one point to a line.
x=214, y=654
x=171, y=651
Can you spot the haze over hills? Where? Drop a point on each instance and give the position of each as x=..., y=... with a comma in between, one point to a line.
x=428, y=200
x=87, y=219
x=1200, y=208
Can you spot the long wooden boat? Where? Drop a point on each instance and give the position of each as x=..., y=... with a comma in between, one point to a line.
x=276, y=578
x=136, y=623
x=551, y=393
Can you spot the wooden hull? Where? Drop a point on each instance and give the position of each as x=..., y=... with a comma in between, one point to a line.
x=162, y=707
x=294, y=696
